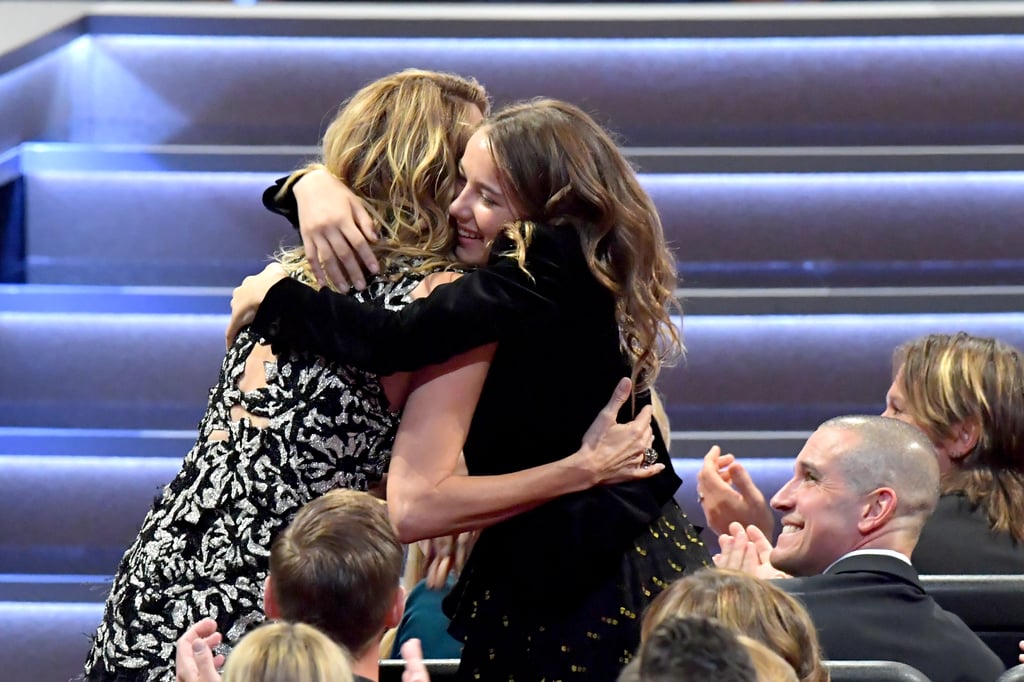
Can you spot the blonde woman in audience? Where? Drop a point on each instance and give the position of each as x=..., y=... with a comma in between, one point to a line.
x=751, y=606
x=287, y=652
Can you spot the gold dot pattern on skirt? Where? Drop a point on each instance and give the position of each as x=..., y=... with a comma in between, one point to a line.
x=573, y=655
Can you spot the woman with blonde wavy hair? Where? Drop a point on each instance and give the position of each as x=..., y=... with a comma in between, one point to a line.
x=282, y=428
x=576, y=295
x=287, y=651
x=749, y=605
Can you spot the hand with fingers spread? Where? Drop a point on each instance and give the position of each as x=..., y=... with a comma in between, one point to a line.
x=194, y=660
x=614, y=452
x=727, y=493
x=336, y=230
x=747, y=550
x=415, y=668
x=247, y=297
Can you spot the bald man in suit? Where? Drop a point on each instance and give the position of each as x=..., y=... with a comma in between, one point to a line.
x=861, y=491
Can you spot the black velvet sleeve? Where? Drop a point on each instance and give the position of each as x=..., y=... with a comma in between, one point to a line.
x=280, y=203
x=479, y=308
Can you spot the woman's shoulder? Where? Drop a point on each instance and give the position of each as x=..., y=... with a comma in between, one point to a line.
x=555, y=236
x=546, y=246
x=399, y=278
x=954, y=507
x=434, y=280
x=957, y=538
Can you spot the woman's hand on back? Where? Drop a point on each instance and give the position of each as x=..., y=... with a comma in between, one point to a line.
x=246, y=298
x=613, y=452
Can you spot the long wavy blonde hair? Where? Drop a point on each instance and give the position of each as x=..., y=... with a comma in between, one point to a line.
x=396, y=144
x=949, y=379
x=560, y=168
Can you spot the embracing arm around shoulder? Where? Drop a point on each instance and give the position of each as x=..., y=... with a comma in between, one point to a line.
x=336, y=229
x=480, y=308
x=426, y=495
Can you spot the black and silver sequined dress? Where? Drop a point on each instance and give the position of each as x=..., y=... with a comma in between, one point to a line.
x=204, y=548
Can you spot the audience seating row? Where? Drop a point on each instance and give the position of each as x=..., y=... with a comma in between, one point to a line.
x=991, y=605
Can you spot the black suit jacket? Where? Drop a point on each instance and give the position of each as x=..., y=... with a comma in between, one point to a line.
x=874, y=607
x=957, y=540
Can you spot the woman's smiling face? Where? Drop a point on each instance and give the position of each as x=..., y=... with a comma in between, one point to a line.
x=481, y=209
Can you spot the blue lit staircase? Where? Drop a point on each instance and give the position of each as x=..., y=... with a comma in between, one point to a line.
x=833, y=184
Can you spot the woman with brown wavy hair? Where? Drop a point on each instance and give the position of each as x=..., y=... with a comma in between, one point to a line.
x=748, y=605
x=576, y=295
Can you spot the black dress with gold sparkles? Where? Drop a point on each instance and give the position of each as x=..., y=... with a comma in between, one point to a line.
x=554, y=593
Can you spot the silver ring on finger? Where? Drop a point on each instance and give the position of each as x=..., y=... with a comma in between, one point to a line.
x=650, y=457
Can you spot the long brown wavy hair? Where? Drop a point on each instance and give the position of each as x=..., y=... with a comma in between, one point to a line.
x=950, y=379
x=396, y=144
x=560, y=168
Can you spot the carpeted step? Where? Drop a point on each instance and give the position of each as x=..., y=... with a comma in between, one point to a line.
x=768, y=372
x=155, y=217
x=229, y=89
x=78, y=513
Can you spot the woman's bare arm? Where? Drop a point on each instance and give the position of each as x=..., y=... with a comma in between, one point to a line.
x=426, y=495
